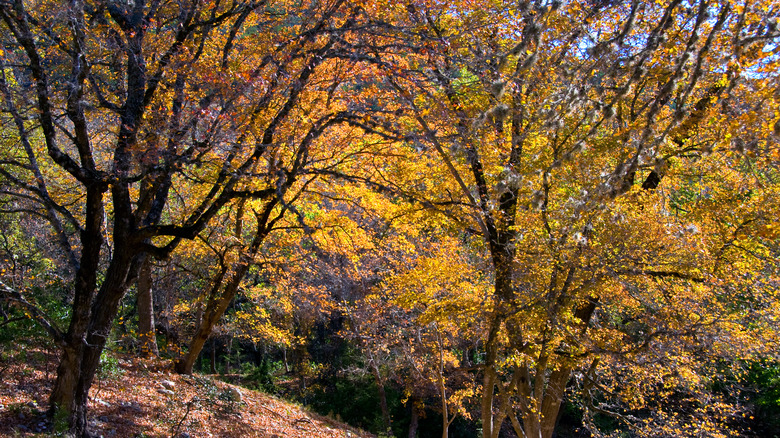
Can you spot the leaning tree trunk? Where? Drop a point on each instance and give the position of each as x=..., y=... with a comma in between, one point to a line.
x=223, y=295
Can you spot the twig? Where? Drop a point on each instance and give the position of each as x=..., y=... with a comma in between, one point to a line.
x=272, y=411
x=190, y=404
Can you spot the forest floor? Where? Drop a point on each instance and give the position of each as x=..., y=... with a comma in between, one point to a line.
x=134, y=397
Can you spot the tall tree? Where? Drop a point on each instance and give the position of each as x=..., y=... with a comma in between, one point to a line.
x=567, y=134
x=137, y=123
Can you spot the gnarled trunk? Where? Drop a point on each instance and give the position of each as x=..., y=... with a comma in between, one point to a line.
x=87, y=336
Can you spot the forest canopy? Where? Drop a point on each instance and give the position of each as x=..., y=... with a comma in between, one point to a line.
x=504, y=217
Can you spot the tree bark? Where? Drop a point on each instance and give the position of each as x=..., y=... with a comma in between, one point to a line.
x=65, y=397
x=446, y=420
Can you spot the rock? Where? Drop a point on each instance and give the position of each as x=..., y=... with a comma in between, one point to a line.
x=234, y=395
x=165, y=391
x=167, y=384
x=101, y=402
x=133, y=406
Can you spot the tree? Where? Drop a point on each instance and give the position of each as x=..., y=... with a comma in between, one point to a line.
x=613, y=165
x=120, y=111
x=400, y=284
x=440, y=296
x=569, y=132
x=312, y=129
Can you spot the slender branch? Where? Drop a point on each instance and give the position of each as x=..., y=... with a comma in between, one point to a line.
x=12, y=296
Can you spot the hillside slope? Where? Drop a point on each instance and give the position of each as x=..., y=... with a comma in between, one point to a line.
x=142, y=398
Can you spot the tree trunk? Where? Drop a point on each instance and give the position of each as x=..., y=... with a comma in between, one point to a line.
x=65, y=397
x=383, y=400
x=220, y=297
x=214, y=311
x=229, y=353
x=87, y=336
x=489, y=379
x=213, y=356
x=414, y=422
x=185, y=364
x=446, y=420
x=146, y=333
